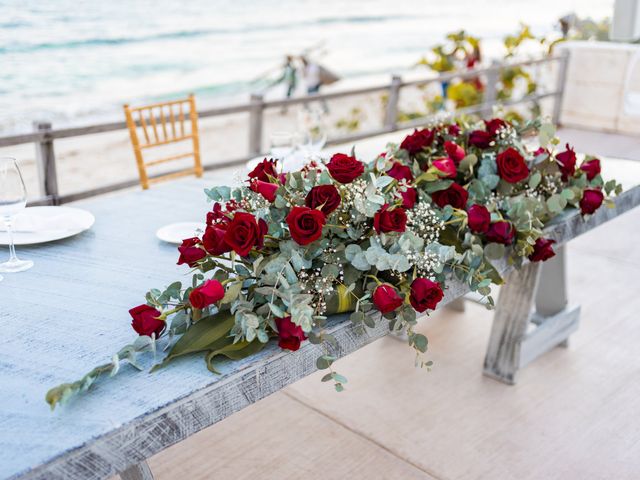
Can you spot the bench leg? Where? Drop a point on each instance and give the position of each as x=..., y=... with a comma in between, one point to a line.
x=139, y=471
x=518, y=334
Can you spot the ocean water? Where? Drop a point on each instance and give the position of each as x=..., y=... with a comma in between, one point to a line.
x=75, y=62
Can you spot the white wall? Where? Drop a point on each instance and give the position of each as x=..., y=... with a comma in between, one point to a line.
x=596, y=85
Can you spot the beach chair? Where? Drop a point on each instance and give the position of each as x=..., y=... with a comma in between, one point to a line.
x=162, y=125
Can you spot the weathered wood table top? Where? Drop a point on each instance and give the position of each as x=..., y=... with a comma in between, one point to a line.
x=69, y=313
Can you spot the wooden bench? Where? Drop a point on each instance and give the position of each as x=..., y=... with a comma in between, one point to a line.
x=85, y=284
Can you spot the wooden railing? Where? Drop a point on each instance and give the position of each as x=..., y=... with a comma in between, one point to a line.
x=44, y=134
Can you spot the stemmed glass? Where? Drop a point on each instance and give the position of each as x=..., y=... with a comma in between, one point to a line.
x=13, y=199
x=281, y=145
x=316, y=131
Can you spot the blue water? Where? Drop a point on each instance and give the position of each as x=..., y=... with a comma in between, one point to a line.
x=75, y=62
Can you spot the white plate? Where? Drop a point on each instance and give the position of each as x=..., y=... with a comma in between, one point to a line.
x=45, y=224
x=176, y=232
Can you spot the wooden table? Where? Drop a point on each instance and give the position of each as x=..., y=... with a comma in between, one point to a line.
x=69, y=313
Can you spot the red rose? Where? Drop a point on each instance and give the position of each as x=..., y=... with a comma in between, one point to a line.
x=592, y=168
x=305, y=224
x=345, y=169
x=400, y=172
x=409, y=198
x=425, y=294
x=453, y=130
x=542, y=250
x=386, y=220
x=325, y=197
x=591, y=201
x=190, y=253
x=386, y=298
x=418, y=141
x=213, y=240
x=266, y=189
x=264, y=170
x=480, y=139
x=455, y=151
x=290, y=335
x=446, y=167
x=216, y=215
x=146, y=321
x=501, y=232
x=511, y=166
x=244, y=232
x=567, y=162
x=479, y=218
x=206, y=294
x=494, y=125
x=455, y=195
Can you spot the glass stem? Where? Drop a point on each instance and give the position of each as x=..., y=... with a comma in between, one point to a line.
x=8, y=221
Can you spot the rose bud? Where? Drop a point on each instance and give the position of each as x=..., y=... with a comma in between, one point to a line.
x=190, y=253
x=511, y=166
x=400, y=172
x=266, y=189
x=418, y=141
x=305, y=224
x=501, y=232
x=264, y=170
x=453, y=130
x=216, y=215
x=494, y=125
x=478, y=218
x=480, y=139
x=325, y=197
x=290, y=335
x=390, y=220
x=345, y=169
x=567, y=162
x=455, y=195
x=243, y=233
x=591, y=201
x=409, y=198
x=146, y=321
x=206, y=294
x=386, y=298
x=542, y=250
x=446, y=168
x=592, y=168
x=425, y=294
x=213, y=240
x=455, y=151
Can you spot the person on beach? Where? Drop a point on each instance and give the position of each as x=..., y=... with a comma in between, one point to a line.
x=289, y=77
x=313, y=79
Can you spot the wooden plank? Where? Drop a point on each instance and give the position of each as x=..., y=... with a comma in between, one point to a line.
x=79, y=318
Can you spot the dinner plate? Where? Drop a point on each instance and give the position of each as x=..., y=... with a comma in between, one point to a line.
x=46, y=224
x=176, y=232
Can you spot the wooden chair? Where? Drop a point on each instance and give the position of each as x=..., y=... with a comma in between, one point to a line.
x=163, y=124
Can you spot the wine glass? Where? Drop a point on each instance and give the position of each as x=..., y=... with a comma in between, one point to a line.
x=13, y=199
x=281, y=145
x=316, y=131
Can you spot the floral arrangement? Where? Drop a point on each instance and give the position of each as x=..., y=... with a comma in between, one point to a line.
x=286, y=250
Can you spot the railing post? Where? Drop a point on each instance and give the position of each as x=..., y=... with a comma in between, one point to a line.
x=560, y=86
x=255, y=124
x=46, y=162
x=391, y=113
x=491, y=89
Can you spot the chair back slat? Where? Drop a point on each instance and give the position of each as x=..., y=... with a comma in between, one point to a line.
x=172, y=119
x=152, y=120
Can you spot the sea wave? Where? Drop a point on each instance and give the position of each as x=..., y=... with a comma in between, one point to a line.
x=185, y=34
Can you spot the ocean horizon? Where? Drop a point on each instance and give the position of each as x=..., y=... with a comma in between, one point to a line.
x=75, y=63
